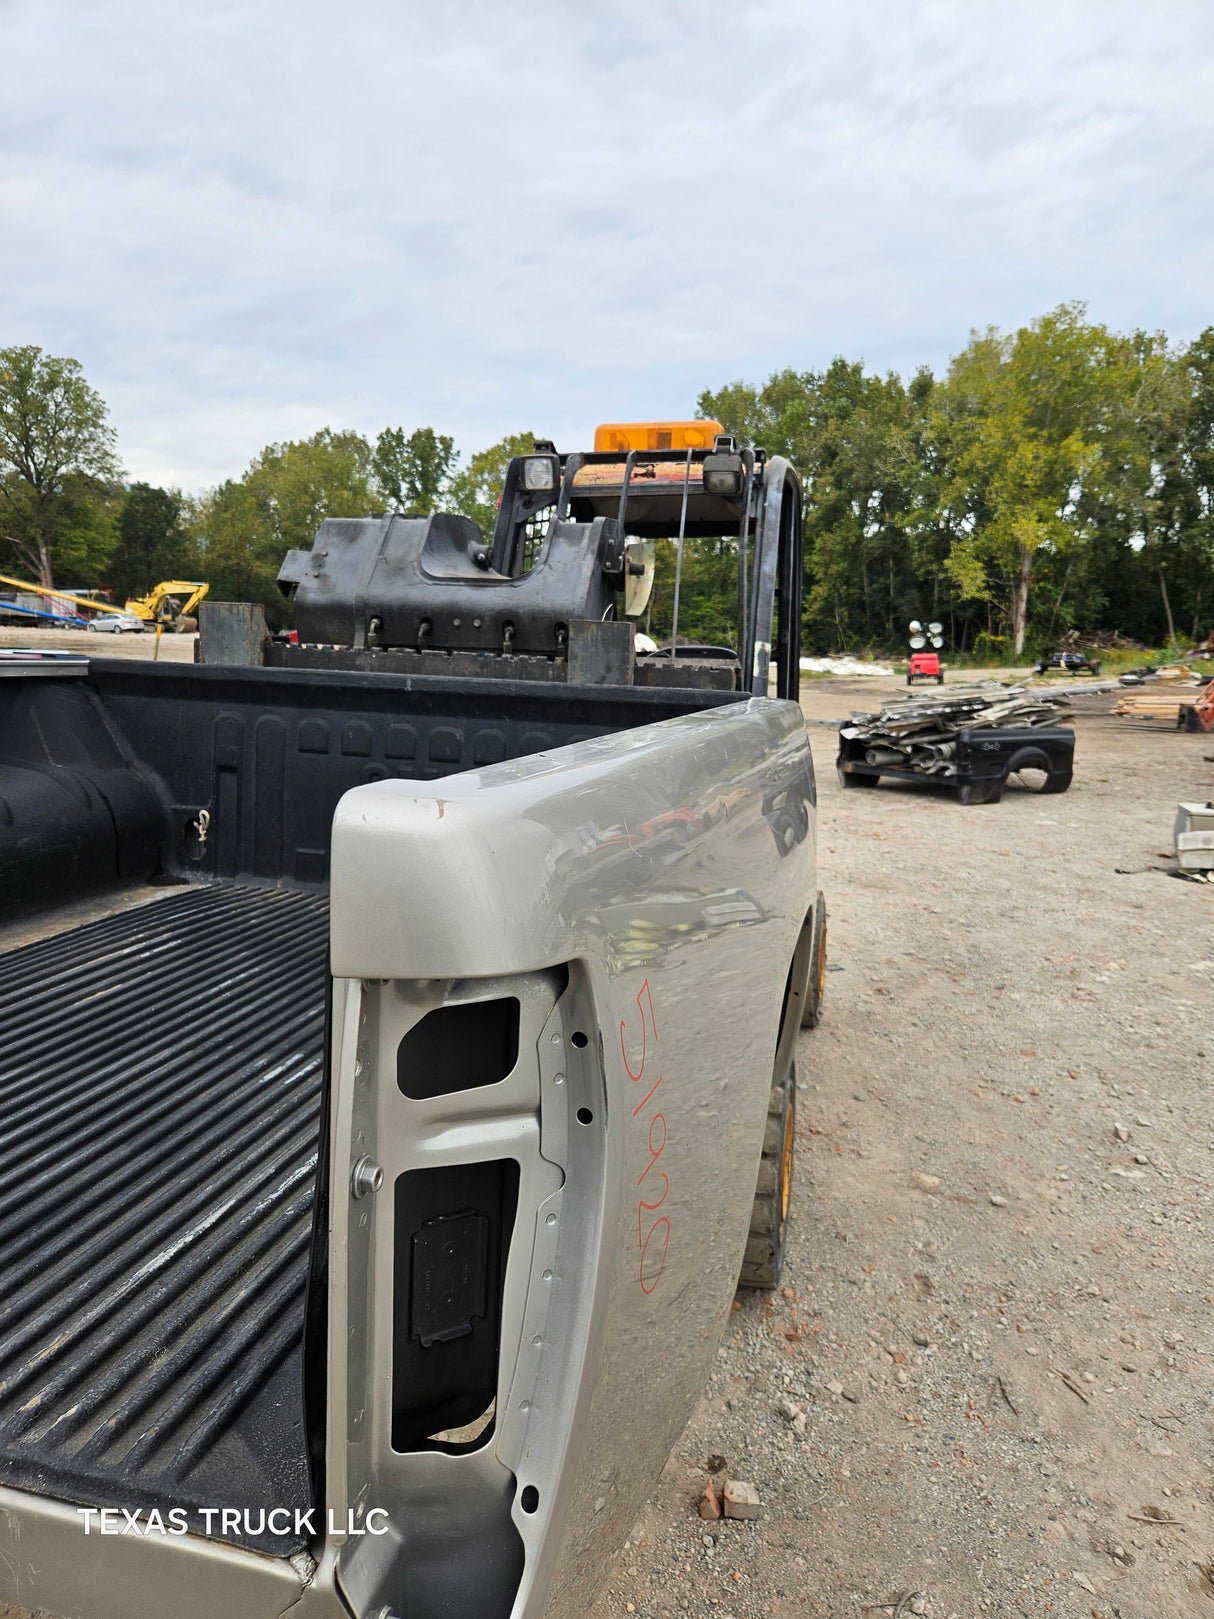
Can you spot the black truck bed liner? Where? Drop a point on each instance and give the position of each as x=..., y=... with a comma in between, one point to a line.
x=161, y=1075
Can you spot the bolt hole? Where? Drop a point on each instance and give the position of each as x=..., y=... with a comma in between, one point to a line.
x=585, y=1116
x=529, y=1499
x=578, y=1039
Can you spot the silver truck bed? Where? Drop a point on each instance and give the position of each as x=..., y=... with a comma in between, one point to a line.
x=556, y=988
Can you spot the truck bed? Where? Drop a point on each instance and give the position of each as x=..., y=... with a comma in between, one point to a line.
x=161, y=1068
x=161, y=1088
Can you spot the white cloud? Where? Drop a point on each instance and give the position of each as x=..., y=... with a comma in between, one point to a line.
x=249, y=222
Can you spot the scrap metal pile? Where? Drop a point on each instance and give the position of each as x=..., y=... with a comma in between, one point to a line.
x=920, y=732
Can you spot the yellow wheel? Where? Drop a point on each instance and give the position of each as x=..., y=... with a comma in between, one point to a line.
x=768, y=1237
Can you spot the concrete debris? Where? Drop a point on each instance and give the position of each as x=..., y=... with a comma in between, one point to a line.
x=741, y=1500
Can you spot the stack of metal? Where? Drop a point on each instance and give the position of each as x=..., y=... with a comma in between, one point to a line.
x=920, y=732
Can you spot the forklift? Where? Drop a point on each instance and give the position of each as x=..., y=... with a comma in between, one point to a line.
x=553, y=593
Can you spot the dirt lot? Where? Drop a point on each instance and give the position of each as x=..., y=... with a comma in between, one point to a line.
x=992, y=1357
x=173, y=648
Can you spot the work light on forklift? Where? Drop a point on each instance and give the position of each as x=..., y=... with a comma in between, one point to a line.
x=722, y=470
x=625, y=436
x=539, y=473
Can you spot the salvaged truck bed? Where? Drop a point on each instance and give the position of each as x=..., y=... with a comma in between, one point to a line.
x=386, y=1063
x=161, y=1068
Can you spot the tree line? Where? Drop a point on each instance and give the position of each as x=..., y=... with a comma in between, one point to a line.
x=67, y=517
x=1057, y=478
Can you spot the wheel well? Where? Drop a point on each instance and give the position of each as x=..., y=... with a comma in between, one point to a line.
x=1030, y=758
x=795, y=985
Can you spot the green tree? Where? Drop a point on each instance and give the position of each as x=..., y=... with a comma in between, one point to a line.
x=153, y=543
x=708, y=592
x=1036, y=431
x=246, y=526
x=1060, y=477
x=858, y=443
x=476, y=489
x=1198, y=363
x=239, y=555
x=1177, y=524
x=58, y=469
x=297, y=485
x=411, y=473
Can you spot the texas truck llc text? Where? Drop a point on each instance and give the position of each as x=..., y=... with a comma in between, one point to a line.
x=232, y=1521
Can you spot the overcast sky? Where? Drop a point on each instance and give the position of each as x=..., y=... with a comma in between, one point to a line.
x=249, y=221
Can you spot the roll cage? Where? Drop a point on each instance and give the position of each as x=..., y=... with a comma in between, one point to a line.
x=661, y=494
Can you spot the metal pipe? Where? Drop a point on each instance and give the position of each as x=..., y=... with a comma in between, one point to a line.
x=628, y=466
x=752, y=628
x=748, y=457
x=678, y=566
x=573, y=465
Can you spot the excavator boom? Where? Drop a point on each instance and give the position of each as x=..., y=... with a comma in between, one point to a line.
x=61, y=596
x=152, y=607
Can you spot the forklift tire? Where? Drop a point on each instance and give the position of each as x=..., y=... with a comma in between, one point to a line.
x=764, y=1258
x=815, y=988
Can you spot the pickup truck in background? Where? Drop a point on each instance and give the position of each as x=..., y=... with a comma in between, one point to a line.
x=397, y=1058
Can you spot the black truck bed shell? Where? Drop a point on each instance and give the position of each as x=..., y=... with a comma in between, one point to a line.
x=986, y=755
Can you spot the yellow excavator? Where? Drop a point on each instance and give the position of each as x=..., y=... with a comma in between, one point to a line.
x=162, y=606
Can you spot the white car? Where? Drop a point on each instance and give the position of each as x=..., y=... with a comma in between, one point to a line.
x=116, y=623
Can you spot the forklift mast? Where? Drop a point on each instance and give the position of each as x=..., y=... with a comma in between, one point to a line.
x=551, y=593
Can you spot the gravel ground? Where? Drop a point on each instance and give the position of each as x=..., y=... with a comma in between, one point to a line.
x=173, y=648
x=992, y=1353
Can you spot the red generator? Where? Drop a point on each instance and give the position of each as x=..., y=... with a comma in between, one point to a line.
x=925, y=665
